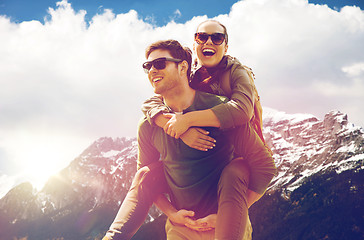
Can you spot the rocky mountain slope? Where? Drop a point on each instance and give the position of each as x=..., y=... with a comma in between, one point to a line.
x=320, y=168
x=319, y=190
x=304, y=145
x=82, y=199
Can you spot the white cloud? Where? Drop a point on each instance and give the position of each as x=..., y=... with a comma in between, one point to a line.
x=355, y=69
x=350, y=89
x=79, y=80
x=352, y=86
x=298, y=52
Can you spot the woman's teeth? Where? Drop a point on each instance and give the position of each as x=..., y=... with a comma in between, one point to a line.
x=208, y=52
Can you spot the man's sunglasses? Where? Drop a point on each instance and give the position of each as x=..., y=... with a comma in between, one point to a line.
x=216, y=38
x=159, y=63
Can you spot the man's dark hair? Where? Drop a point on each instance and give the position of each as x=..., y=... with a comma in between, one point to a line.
x=175, y=49
x=222, y=25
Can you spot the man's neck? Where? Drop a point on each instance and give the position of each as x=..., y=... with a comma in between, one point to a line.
x=180, y=99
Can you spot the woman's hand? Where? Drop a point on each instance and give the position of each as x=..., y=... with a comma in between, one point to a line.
x=198, y=138
x=177, y=125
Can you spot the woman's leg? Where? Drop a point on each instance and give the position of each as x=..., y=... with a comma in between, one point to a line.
x=232, y=212
x=148, y=182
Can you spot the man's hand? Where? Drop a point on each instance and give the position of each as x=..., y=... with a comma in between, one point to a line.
x=183, y=217
x=204, y=224
x=198, y=138
x=176, y=126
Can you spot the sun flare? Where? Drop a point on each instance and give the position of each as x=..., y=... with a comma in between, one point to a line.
x=41, y=162
x=39, y=156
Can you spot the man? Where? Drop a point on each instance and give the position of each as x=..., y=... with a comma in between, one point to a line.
x=191, y=176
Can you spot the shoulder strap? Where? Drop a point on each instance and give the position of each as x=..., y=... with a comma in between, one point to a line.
x=257, y=119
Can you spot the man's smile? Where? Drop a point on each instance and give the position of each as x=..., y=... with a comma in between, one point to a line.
x=157, y=79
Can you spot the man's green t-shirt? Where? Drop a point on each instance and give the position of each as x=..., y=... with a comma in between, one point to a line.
x=192, y=175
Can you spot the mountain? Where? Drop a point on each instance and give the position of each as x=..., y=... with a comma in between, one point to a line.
x=81, y=200
x=317, y=193
x=319, y=190
x=303, y=145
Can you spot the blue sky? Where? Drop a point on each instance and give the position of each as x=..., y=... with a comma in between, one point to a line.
x=76, y=77
x=161, y=10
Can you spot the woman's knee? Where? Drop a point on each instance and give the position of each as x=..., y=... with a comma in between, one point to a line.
x=236, y=170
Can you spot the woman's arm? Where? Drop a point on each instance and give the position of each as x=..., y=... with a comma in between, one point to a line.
x=179, y=123
x=238, y=84
x=154, y=107
x=197, y=138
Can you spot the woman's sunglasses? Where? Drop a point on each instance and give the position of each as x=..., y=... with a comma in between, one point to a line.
x=159, y=63
x=216, y=38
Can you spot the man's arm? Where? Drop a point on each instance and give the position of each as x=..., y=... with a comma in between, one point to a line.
x=147, y=153
x=133, y=210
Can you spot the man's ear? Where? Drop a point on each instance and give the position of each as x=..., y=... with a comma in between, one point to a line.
x=183, y=66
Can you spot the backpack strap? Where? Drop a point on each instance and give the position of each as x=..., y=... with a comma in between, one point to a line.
x=257, y=118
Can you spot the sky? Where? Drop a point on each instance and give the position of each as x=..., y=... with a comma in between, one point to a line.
x=70, y=71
